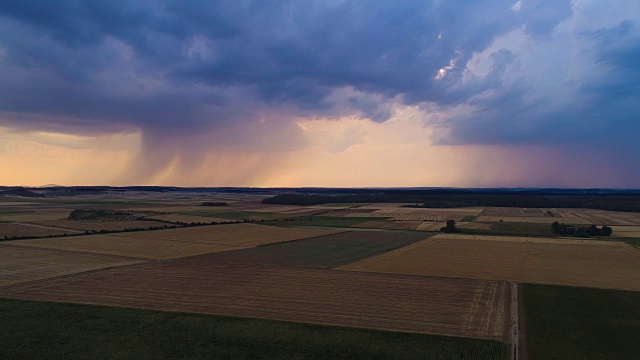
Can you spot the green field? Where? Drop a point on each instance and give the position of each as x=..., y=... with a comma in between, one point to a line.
x=328, y=251
x=582, y=324
x=516, y=229
x=631, y=241
x=334, y=221
x=469, y=218
x=42, y=330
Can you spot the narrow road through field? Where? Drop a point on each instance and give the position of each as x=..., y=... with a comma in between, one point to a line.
x=514, y=321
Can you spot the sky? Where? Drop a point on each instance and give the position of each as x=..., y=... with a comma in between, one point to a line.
x=333, y=93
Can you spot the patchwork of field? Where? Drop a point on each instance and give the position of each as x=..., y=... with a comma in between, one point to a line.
x=21, y=264
x=18, y=229
x=241, y=235
x=99, y=225
x=447, y=306
x=587, y=263
x=406, y=216
x=322, y=252
x=529, y=219
x=602, y=217
x=128, y=246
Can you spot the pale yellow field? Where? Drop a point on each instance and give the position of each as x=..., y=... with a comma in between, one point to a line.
x=474, y=225
x=602, y=217
x=21, y=263
x=136, y=247
x=17, y=229
x=431, y=226
x=243, y=235
x=37, y=216
x=587, y=263
x=418, y=216
x=529, y=219
x=626, y=231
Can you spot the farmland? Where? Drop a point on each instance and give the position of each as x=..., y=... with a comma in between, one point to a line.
x=455, y=307
x=244, y=235
x=137, y=247
x=575, y=323
x=21, y=264
x=325, y=251
x=537, y=260
x=381, y=272
x=38, y=330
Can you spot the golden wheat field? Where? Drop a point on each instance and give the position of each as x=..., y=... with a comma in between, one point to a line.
x=129, y=246
x=19, y=229
x=21, y=263
x=547, y=261
x=446, y=306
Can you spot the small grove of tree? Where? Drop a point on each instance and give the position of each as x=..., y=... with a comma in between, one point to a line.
x=592, y=230
x=210, y=203
x=450, y=227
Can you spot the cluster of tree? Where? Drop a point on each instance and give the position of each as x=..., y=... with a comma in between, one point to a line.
x=102, y=215
x=210, y=203
x=592, y=230
x=450, y=227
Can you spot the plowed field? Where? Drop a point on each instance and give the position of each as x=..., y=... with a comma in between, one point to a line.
x=241, y=235
x=546, y=261
x=20, y=263
x=457, y=307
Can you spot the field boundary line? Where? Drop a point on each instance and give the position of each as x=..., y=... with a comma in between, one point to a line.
x=515, y=322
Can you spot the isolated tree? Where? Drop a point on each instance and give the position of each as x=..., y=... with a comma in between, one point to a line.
x=450, y=227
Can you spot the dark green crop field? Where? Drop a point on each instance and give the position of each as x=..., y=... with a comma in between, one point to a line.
x=327, y=251
x=42, y=330
x=582, y=324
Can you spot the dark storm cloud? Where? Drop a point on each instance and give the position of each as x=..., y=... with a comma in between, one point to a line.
x=175, y=66
x=72, y=58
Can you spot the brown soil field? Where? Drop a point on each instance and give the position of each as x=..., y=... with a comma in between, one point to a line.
x=392, y=225
x=126, y=246
x=99, y=225
x=239, y=235
x=17, y=229
x=600, y=264
x=447, y=306
x=21, y=264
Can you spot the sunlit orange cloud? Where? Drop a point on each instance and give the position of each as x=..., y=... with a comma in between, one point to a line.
x=39, y=158
x=345, y=152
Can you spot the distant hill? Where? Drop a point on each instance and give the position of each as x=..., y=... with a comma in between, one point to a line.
x=21, y=192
